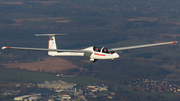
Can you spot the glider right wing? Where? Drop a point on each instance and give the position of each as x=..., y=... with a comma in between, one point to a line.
x=141, y=46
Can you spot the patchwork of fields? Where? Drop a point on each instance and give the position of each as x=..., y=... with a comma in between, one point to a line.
x=52, y=64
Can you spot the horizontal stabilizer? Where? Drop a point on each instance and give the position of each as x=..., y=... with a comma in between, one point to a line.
x=49, y=34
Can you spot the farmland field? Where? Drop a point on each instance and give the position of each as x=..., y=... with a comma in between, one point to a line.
x=127, y=88
x=52, y=64
x=17, y=3
x=41, y=77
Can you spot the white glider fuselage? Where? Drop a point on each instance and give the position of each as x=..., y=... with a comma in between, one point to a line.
x=92, y=54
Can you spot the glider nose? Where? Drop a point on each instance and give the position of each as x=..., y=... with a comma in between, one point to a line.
x=116, y=55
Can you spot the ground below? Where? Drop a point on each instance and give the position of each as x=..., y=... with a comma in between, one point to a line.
x=52, y=64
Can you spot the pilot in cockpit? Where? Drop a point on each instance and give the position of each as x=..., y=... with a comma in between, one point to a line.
x=105, y=50
x=96, y=49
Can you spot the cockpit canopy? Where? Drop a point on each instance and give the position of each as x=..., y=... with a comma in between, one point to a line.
x=103, y=50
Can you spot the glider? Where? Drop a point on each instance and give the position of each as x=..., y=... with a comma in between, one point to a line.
x=93, y=52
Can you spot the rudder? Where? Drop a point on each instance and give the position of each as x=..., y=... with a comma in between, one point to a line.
x=51, y=43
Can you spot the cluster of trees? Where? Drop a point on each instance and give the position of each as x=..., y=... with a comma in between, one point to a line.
x=131, y=96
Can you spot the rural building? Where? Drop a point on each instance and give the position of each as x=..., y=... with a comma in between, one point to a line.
x=21, y=98
x=56, y=85
x=28, y=98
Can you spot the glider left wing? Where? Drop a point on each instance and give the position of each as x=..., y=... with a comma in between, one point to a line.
x=43, y=49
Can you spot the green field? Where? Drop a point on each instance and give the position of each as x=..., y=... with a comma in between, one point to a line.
x=166, y=95
x=41, y=77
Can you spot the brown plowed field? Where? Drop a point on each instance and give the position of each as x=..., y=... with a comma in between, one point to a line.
x=170, y=67
x=38, y=19
x=52, y=64
x=19, y=3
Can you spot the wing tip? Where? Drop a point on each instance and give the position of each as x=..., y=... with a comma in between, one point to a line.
x=6, y=47
x=175, y=42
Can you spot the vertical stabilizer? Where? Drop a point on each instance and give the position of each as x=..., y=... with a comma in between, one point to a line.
x=51, y=42
x=52, y=45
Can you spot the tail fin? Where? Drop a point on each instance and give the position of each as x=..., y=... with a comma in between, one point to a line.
x=51, y=42
x=52, y=45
